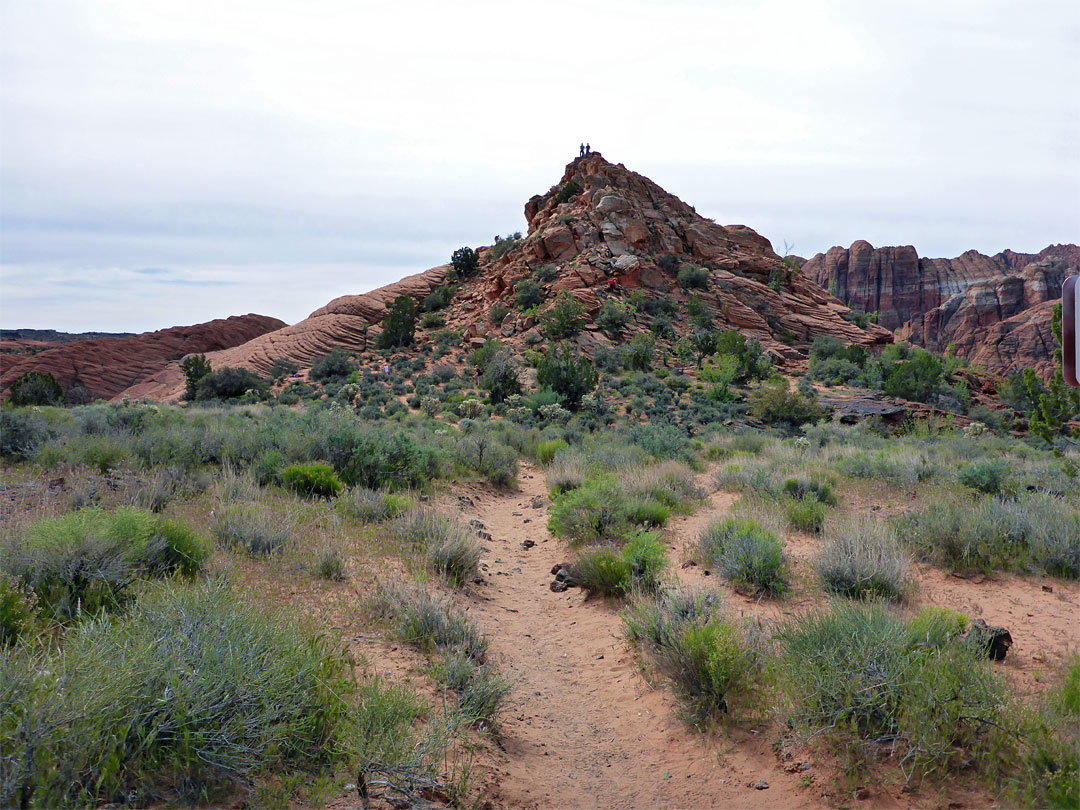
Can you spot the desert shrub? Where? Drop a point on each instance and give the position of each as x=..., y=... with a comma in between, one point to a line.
x=567, y=191
x=21, y=433
x=329, y=564
x=86, y=562
x=646, y=511
x=18, y=613
x=429, y=621
x=432, y=320
x=370, y=505
x=752, y=363
x=746, y=553
x=528, y=294
x=251, y=527
x=692, y=278
x=775, y=404
x=613, y=316
x=464, y=260
x=311, y=480
x=36, y=388
x=806, y=515
x=228, y=383
x=498, y=312
x=937, y=626
x=835, y=363
x=810, y=489
x=591, y=513
x=246, y=693
x=569, y=375
x=852, y=670
x=439, y=298
x=481, y=689
x=917, y=378
x=377, y=458
x=1049, y=772
x=901, y=468
x=989, y=477
x=565, y=318
x=662, y=441
x=505, y=244
x=862, y=558
x=500, y=376
x=335, y=365
x=639, y=353
x=670, y=483
x=608, y=571
x=545, y=451
x=399, y=325
x=566, y=472
x=282, y=367
x=713, y=663
x=991, y=534
x=445, y=543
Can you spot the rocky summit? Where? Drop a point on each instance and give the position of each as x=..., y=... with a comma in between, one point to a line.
x=993, y=310
x=601, y=230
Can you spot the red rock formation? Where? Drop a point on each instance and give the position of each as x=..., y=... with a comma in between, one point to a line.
x=988, y=307
x=613, y=225
x=107, y=366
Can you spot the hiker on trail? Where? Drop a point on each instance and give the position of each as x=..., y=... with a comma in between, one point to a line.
x=581, y=150
x=587, y=149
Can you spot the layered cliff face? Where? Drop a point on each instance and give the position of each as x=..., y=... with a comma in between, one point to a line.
x=989, y=308
x=104, y=368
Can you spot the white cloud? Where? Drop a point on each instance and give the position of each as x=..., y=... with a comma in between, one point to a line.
x=290, y=141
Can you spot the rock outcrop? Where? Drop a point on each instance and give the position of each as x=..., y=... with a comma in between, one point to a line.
x=104, y=368
x=602, y=230
x=993, y=310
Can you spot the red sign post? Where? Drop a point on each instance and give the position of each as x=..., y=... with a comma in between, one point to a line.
x=1070, y=330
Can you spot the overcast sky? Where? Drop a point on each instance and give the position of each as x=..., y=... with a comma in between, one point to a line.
x=167, y=162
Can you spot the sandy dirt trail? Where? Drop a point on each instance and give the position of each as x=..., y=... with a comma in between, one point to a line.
x=584, y=728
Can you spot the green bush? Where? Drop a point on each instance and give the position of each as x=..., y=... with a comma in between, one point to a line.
x=918, y=378
x=36, y=388
x=370, y=505
x=190, y=694
x=528, y=294
x=638, y=566
x=311, y=480
x=937, y=626
x=811, y=489
x=747, y=554
x=250, y=527
x=989, y=477
x=775, y=404
x=335, y=365
x=498, y=312
x=992, y=534
x=569, y=375
x=613, y=316
x=646, y=511
x=464, y=260
x=853, y=670
x=376, y=457
x=330, y=564
x=229, y=383
x=640, y=353
x=439, y=298
x=545, y=451
x=862, y=558
x=501, y=376
x=430, y=622
x=282, y=367
x=805, y=516
x=18, y=612
x=692, y=278
x=567, y=191
x=86, y=562
x=1049, y=773
x=21, y=433
x=446, y=544
x=399, y=326
x=713, y=663
x=481, y=689
x=592, y=513
x=505, y=244
x=565, y=318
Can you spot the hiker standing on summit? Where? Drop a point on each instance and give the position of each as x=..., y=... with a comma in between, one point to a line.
x=581, y=151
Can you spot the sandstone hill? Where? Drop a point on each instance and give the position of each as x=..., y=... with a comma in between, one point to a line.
x=105, y=367
x=994, y=310
x=601, y=230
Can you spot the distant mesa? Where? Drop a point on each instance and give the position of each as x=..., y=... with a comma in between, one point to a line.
x=104, y=367
x=993, y=310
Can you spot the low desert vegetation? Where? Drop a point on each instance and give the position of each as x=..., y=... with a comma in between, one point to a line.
x=862, y=558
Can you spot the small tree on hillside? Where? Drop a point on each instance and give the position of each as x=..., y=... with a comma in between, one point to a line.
x=566, y=318
x=465, y=261
x=1056, y=403
x=567, y=374
x=36, y=388
x=195, y=367
x=400, y=325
